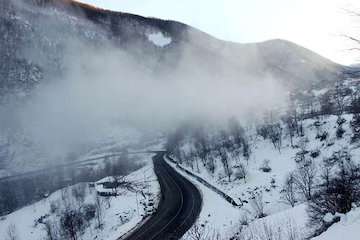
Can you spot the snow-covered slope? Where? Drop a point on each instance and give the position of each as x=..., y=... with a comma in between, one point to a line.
x=117, y=214
x=266, y=188
x=34, y=34
x=347, y=228
x=38, y=40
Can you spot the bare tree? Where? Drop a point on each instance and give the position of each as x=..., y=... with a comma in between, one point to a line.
x=99, y=213
x=295, y=116
x=71, y=223
x=257, y=204
x=174, y=140
x=355, y=126
x=326, y=103
x=289, y=190
x=276, y=136
x=273, y=132
x=291, y=126
x=246, y=150
x=339, y=97
x=237, y=132
x=355, y=101
x=51, y=230
x=211, y=163
x=225, y=161
x=66, y=200
x=304, y=178
x=202, y=232
x=201, y=145
x=119, y=182
x=241, y=172
x=301, y=155
x=78, y=192
x=197, y=232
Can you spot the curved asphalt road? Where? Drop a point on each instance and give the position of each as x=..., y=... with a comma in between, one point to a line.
x=178, y=209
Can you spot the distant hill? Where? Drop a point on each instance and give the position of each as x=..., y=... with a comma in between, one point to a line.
x=33, y=34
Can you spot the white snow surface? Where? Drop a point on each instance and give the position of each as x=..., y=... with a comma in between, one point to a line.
x=218, y=217
x=159, y=39
x=124, y=213
x=221, y=216
x=319, y=92
x=287, y=224
x=348, y=227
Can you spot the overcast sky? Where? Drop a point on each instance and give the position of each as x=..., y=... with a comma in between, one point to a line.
x=315, y=24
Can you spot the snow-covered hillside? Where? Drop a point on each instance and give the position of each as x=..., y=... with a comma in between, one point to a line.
x=106, y=217
x=347, y=228
x=40, y=39
x=275, y=173
x=273, y=127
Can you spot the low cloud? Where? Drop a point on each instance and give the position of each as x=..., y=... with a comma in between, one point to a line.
x=104, y=88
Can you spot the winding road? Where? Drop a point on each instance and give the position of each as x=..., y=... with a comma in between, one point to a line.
x=179, y=207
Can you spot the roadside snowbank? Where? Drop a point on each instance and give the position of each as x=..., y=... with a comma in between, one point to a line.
x=347, y=228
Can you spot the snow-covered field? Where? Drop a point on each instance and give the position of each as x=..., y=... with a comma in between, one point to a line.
x=119, y=214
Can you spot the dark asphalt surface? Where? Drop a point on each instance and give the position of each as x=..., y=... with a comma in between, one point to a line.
x=178, y=209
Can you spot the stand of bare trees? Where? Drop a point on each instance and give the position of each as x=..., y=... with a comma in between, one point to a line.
x=73, y=215
x=273, y=132
x=338, y=190
x=205, y=147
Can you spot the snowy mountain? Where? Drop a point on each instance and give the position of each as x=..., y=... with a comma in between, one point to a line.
x=39, y=40
x=87, y=94
x=34, y=36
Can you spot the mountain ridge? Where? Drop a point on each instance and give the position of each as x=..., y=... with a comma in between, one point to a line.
x=32, y=24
